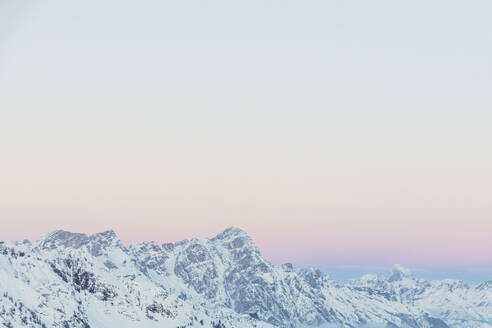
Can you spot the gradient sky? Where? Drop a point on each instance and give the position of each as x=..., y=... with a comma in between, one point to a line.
x=336, y=133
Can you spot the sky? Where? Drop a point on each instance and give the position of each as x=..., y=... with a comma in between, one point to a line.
x=349, y=135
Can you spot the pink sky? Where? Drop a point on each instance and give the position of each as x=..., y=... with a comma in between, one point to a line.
x=332, y=134
x=299, y=207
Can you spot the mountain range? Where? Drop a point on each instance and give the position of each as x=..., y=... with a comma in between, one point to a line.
x=70, y=279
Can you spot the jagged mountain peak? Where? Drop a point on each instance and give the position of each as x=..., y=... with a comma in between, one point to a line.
x=95, y=242
x=235, y=238
x=108, y=236
x=60, y=234
x=105, y=234
x=232, y=232
x=103, y=241
x=62, y=238
x=398, y=272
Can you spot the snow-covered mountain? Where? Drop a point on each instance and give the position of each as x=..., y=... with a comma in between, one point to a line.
x=74, y=280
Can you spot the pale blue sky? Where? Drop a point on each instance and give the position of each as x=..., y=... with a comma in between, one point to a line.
x=341, y=128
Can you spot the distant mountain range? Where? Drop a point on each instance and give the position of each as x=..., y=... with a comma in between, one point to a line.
x=74, y=280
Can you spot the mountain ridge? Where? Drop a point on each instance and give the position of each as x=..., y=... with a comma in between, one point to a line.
x=223, y=278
